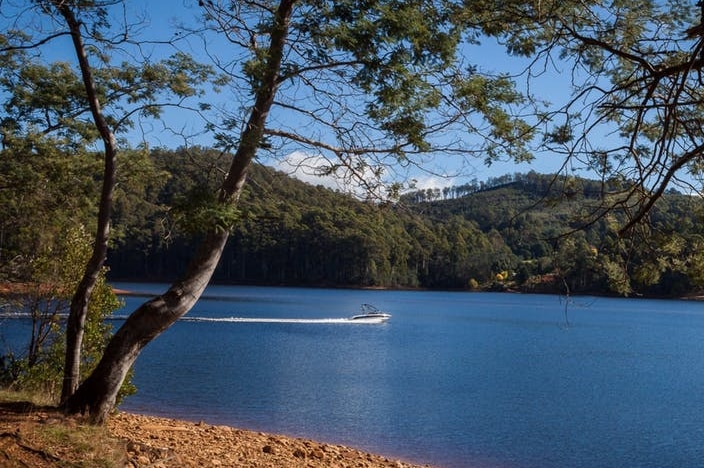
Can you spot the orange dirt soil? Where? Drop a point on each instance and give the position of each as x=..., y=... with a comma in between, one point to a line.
x=138, y=441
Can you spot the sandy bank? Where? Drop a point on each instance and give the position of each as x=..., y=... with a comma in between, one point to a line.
x=138, y=441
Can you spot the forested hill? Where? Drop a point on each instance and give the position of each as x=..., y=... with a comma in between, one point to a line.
x=499, y=234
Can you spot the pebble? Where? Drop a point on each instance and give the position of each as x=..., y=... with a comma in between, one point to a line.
x=268, y=449
x=217, y=446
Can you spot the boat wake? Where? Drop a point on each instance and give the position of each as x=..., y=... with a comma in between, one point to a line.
x=278, y=320
x=369, y=320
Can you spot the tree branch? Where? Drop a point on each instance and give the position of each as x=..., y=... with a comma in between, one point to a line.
x=36, y=44
x=81, y=297
x=669, y=174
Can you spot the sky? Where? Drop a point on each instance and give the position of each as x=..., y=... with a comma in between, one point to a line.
x=158, y=19
x=488, y=56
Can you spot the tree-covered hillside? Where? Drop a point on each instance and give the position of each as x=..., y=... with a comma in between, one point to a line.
x=510, y=232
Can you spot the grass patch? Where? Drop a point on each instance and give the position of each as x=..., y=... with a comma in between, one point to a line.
x=37, y=434
x=82, y=446
x=37, y=399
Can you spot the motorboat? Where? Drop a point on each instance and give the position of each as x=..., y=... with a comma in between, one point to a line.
x=369, y=313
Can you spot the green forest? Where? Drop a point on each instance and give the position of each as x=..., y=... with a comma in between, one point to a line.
x=526, y=232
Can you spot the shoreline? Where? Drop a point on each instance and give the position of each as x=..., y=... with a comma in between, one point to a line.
x=133, y=440
x=691, y=296
x=198, y=444
x=8, y=289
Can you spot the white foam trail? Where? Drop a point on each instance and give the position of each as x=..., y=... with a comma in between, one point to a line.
x=233, y=319
x=278, y=320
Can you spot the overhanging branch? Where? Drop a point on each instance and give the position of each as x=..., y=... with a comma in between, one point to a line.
x=662, y=186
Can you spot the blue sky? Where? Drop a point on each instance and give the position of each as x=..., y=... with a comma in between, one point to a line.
x=159, y=18
x=163, y=15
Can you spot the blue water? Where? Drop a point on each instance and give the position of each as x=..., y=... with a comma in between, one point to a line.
x=452, y=380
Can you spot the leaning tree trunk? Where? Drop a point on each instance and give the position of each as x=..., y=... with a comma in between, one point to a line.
x=75, y=324
x=97, y=395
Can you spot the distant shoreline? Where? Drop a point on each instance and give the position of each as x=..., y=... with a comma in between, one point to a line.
x=695, y=296
x=9, y=289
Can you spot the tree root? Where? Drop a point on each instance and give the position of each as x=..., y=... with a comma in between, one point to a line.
x=18, y=440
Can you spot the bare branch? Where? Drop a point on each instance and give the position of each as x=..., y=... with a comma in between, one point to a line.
x=35, y=45
x=653, y=197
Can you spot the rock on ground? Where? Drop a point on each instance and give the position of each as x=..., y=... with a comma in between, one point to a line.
x=161, y=442
x=42, y=437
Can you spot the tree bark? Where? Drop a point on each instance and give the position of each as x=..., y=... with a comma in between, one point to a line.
x=75, y=325
x=97, y=395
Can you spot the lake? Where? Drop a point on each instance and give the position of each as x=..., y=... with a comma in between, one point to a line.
x=452, y=380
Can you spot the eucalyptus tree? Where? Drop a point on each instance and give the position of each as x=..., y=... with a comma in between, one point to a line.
x=364, y=85
x=47, y=103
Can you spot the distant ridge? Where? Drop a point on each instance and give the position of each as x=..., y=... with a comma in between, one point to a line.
x=505, y=233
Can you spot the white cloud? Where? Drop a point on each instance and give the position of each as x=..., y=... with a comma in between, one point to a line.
x=314, y=169
x=307, y=168
x=432, y=182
